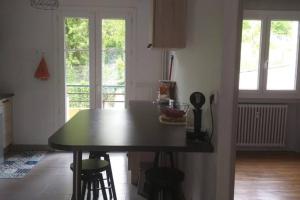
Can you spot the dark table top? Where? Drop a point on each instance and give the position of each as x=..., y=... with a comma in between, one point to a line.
x=134, y=129
x=5, y=95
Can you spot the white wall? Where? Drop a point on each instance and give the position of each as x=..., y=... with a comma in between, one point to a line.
x=208, y=65
x=25, y=33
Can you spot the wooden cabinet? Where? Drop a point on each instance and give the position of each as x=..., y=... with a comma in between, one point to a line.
x=6, y=105
x=168, y=24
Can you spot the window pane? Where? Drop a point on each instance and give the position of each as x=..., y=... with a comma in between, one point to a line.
x=76, y=65
x=113, y=63
x=76, y=33
x=250, y=51
x=282, y=55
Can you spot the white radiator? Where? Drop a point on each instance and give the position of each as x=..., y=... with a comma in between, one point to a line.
x=261, y=125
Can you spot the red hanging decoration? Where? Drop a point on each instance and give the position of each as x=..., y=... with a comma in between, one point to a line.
x=42, y=72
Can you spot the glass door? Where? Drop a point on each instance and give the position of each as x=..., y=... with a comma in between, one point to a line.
x=113, y=63
x=96, y=61
x=77, y=64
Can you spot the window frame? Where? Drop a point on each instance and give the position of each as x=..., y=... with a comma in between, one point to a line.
x=92, y=13
x=266, y=17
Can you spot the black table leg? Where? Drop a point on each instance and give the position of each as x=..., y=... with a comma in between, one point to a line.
x=77, y=162
x=112, y=179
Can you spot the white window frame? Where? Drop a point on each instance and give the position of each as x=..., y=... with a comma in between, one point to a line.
x=262, y=92
x=126, y=14
x=93, y=13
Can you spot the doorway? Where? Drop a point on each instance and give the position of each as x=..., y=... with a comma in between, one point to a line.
x=267, y=161
x=96, y=61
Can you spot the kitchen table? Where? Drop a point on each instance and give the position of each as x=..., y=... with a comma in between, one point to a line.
x=134, y=129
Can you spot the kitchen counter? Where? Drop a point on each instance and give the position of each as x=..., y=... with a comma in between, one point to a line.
x=5, y=95
x=135, y=129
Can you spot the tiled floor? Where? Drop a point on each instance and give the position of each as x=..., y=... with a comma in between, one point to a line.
x=51, y=179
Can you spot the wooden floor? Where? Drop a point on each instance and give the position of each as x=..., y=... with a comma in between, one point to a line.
x=267, y=176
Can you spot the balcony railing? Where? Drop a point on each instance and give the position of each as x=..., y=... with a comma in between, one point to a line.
x=79, y=98
x=113, y=96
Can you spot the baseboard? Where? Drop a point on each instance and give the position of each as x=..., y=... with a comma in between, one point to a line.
x=29, y=147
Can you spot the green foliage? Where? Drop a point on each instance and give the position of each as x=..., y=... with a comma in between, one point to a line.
x=113, y=34
x=77, y=54
x=113, y=47
x=250, y=45
x=77, y=33
x=281, y=27
x=77, y=39
x=283, y=42
x=251, y=31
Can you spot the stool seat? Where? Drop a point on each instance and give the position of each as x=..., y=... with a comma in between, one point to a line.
x=164, y=176
x=92, y=166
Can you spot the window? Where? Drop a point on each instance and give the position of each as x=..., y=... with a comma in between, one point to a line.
x=77, y=54
x=113, y=63
x=283, y=49
x=97, y=56
x=269, y=53
x=249, y=67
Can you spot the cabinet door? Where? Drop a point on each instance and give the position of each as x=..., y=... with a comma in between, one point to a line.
x=169, y=23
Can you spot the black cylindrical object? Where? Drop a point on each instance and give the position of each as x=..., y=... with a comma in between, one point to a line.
x=197, y=120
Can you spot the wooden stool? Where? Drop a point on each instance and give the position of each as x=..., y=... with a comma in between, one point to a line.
x=92, y=178
x=109, y=175
x=164, y=181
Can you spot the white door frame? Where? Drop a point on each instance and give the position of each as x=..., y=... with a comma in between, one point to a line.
x=113, y=14
x=93, y=14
